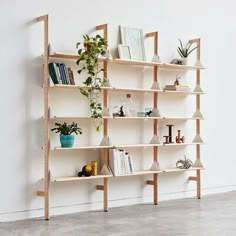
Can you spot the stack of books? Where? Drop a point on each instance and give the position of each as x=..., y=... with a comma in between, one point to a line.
x=183, y=88
x=121, y=163
x=60, y=74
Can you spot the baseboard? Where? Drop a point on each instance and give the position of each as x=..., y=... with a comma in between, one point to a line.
x=60, y=210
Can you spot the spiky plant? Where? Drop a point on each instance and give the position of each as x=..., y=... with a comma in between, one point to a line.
x=185, y=51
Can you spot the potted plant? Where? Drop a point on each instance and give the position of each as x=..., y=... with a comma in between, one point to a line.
x=185, y=51
x=88, y=62
x=66, y=131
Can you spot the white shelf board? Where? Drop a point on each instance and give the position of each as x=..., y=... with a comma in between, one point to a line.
x=76, y=178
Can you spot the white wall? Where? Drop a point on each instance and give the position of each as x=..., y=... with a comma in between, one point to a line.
x=22, y=99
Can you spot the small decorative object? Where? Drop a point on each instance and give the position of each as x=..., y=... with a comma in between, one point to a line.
x=155, y=166
x=185, y=51
x=156, y=86
x=156, y=59
x=155, y=140
x=133, y=37
x=179, y=139
x=86, y=171
x=115, y=111
x=88, y=62
x=66, y=131
x=124, y=52
x=148, y=112
x=198, y=164
x=94, y=166
x=177, y=80
x=176, y=61
x=121, y=112
x=197, y=139
x=184, y=164
x=169, y=139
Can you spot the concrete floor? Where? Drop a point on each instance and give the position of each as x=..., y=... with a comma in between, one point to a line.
x=212, y=216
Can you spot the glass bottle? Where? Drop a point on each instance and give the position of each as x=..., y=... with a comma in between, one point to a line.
x=129, y=106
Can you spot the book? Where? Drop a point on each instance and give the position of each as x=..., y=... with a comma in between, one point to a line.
x=65, y=73
x=57, y=73
x=62, y=73
x=71, y=76
x=183, y=88
x=52, y=73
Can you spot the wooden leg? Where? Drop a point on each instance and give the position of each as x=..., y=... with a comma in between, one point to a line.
x=105, y=194
x=155, y=189
x=198, y=184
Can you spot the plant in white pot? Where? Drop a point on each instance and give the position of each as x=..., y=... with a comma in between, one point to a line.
x=185, y=51
x=66, y=131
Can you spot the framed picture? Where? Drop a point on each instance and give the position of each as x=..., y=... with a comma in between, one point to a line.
x=133, y=37
x=124, y=51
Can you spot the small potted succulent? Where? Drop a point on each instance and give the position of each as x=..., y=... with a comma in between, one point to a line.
x=66, y=131
x=185, y=51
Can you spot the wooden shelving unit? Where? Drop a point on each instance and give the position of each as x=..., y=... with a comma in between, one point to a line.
x=105, y=149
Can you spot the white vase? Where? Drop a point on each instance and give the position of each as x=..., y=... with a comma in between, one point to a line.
x=184, y=60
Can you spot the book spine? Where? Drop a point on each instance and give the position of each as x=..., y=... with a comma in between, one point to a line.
x=66, y=73
x=52, y=73
x=63, y=78
x=71, y=76
x=57, y=73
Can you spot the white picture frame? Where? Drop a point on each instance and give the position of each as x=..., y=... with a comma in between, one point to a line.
x=124, y=51
x=133, y=37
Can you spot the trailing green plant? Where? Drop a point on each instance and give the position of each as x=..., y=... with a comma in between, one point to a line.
x=88, y=62
x=185, y=51
x=67, y=129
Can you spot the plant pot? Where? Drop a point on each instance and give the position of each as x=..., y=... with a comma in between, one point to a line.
x=184, y=60
x=67, y=140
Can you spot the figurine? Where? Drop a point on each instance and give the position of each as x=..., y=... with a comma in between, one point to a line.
x=177, y=81
x=86, y=171
x=179, y=139
x=121, y=112
x=169, y=137
x=184, y=164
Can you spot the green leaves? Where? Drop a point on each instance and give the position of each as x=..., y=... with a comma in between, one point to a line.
x=65, y=129
x=185, y=51
x=92, y=48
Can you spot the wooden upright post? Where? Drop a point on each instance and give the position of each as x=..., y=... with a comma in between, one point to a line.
x=155, y=122
x=104, y=28
x=46, y=117
x=198, y=153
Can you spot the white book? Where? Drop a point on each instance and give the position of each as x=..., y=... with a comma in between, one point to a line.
x=130, y=160
x=57, y=73
x=113, y=161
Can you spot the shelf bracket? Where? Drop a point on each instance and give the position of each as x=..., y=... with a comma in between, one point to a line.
x=193, y=178
x=150, y=182
x=100, y=187
x=40, y=193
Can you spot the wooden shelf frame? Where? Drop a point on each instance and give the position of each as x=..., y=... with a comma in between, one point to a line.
x=115, y=89
x=104, y=149
x=61, y=55
x=136, y=173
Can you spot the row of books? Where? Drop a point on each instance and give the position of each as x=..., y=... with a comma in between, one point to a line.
x=183, y=88
x=121, y=163
x=60, y=74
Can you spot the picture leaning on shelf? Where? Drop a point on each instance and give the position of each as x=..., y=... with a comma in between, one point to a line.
x=60, y=74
